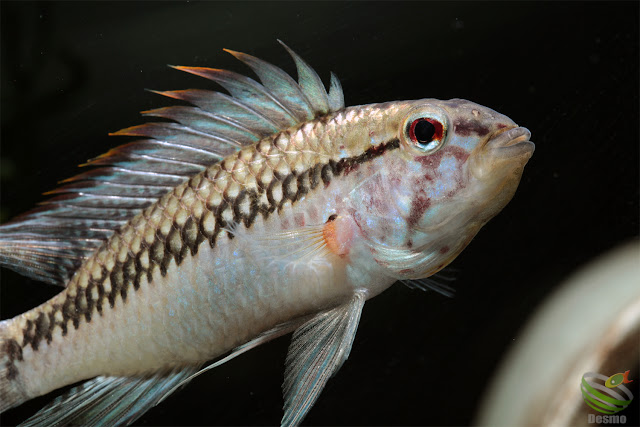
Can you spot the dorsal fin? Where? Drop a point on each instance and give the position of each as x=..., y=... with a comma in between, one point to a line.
x=50, y=242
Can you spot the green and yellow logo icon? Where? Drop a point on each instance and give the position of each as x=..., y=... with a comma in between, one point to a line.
x=607, y=395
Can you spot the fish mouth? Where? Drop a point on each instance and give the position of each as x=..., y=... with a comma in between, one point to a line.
x=511, y=142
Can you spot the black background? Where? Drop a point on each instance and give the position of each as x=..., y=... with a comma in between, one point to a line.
x=72, y=72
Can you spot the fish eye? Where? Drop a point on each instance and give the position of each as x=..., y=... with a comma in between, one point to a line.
x=424, y=129
x=426, y=133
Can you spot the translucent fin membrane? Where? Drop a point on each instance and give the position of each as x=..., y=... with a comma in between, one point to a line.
x=317, y=351
x=430, y=284
x=276, y=332
x=281, y=85
x=310, y=83
x=51, y=242
x=108, y=401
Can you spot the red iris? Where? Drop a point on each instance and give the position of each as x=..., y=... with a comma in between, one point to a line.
x=424, y=130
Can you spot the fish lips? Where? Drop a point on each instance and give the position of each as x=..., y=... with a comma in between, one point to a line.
x=511, y=143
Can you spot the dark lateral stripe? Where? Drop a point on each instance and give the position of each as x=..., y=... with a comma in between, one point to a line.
x=125, y=277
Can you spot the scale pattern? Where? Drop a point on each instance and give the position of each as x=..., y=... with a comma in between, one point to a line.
x=256, y=181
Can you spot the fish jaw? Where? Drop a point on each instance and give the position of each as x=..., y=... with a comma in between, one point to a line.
x=496, y=167
x=508, y=149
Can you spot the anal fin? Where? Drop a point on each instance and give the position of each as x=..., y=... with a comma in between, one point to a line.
x=267, y=336
x=108, y=401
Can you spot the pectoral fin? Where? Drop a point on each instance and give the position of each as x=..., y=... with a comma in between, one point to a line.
x=317, y=351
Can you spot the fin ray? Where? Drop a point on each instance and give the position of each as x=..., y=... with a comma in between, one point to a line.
x=89, y=207
x=220, y=104
x=280, y=84
x=206, y=122
x=336, y=96
x=108, y=400
x=292, y=247
x=271, y=334
x=310, y=83
x=249, y=92
x=317, y=351
x=429, y=284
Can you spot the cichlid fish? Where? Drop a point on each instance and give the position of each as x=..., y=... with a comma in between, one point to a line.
x=269, y=210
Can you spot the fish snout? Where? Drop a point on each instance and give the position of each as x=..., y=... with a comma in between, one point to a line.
x=511, y=143
x=505, y=150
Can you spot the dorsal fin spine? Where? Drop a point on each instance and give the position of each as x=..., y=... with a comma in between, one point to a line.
x=150, y=157
x=165, y=112
x=255, y=85
x=186, y=147
x=148, y=173
x=310, y=82
x=237, y=84
x=147, y=129
x=189, y=95
x=336, y=96
x=51, y=241
x=274, y=79
x=78, y=186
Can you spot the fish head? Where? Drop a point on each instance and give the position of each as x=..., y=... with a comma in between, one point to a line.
x=458, y=164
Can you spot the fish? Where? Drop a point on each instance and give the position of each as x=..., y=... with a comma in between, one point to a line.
x=238, y=218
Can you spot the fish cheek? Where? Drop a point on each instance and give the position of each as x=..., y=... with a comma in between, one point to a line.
x=419, y=206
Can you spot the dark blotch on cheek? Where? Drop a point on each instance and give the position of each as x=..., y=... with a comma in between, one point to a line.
x=432, y=162
x=419, y=206
x=466, y=127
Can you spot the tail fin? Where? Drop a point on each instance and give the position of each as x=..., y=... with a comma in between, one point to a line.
x=11, y=392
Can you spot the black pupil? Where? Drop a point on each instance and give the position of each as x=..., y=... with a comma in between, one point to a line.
x=424, y=131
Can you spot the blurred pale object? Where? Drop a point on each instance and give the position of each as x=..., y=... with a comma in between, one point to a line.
x=591, y=324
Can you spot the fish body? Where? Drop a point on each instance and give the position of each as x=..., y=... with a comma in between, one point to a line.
x=303, y=212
